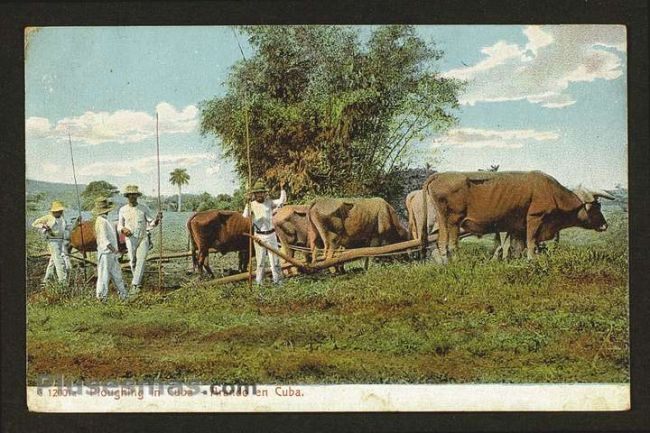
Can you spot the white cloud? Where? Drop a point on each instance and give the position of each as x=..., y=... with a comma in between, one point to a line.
x=37, y=127
x=537, y=38
x=174, y=121
x=213, y=169
x=123, y=168
x=475, y=138
x=122, y=126
x=541, y=70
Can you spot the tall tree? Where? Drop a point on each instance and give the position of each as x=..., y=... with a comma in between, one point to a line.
x=179, y=177
x=96, y=189
x=328, y=111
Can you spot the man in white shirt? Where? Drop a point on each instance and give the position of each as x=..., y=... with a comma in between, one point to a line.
x=134, y=221
x=260, y=210
x=108, y=268
x=55, y=229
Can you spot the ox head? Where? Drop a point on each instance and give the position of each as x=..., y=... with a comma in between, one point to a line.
x=589, y=214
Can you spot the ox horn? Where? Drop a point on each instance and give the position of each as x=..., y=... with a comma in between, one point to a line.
x=603, y=194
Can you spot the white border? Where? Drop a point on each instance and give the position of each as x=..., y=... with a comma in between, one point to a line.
x=340, y=398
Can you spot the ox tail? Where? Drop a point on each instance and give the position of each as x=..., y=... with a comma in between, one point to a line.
x=411, y=217
x=191, y=244
x=312, y=234
x=424, y=232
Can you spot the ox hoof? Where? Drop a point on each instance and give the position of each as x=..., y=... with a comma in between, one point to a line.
x=439, y=259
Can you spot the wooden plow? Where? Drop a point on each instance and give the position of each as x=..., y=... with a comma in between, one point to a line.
x=347, y=256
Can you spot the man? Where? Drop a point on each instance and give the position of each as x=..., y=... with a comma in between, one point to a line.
x=56, y=231
x=261, y=213
x=134, y=221
x=108, y=268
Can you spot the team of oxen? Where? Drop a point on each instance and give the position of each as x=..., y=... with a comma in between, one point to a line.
x=522, y=209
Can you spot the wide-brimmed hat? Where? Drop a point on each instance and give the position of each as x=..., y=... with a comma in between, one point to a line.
x=259, y=186
x=103, y=206
x=56, y=206
x=131, y=189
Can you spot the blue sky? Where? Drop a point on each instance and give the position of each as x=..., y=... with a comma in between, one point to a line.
x=549, y=98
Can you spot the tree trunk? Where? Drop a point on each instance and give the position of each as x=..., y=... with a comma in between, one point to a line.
x=178, y=209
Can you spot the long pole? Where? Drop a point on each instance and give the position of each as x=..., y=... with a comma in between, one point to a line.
x=250, y=205
x=160, y=231
x=76, y=187
x=250, y=182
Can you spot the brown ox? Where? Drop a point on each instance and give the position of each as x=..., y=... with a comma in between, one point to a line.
x=529, y=205
x=353, y=223
x=222, y=230
x=89, y=243
x=414, y=207
x=290, y=223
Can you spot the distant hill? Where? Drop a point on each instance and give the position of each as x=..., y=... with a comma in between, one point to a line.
x=64, y=192
x=34, y=186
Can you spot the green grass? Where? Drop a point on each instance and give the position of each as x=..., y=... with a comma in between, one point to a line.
x=560, y=318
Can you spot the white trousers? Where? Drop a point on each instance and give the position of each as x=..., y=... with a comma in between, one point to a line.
x=108, y=269
x=262, y=253
x=57, y=261
x=138, y=248
x=66, y=260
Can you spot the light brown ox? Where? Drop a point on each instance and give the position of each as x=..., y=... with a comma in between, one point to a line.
x=290, y=223
x=415, y=210
x=353, y=223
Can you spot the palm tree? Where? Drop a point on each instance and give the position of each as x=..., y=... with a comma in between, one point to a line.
x=179, y=177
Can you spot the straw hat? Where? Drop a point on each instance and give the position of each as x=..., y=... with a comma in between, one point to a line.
x=259, y=186
x=103, y=206
x=131, y=189
x=56, y=206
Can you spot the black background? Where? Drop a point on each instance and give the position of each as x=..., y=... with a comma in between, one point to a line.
x=14, y=17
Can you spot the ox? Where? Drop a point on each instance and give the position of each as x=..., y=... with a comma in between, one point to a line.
x=529, y=205
x=89, y=243
x=414, y=208
x=221, y=230
x=290, y=223
x=353, y=223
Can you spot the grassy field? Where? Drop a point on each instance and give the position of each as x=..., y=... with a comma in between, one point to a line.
x=560, y=318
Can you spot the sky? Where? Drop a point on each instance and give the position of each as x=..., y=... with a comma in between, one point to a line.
x=550, y=98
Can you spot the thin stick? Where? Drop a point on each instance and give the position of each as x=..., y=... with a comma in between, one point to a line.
x=250, y=184
x=160, y=231
x=250, y=206
x=76, y=187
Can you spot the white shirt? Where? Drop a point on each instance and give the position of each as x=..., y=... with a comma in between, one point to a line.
x=263, y=212
x=136, y=218
x=59, y=227
x=105, y=235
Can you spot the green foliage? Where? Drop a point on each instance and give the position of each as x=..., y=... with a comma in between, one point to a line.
x=34, y=201
x=96, y=189
x=205, y=201
x=179, y=177
x=328, y=113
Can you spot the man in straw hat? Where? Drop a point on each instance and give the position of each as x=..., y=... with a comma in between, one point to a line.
x=108, y=268
x=134, y=221
x=55, y=229
x=260, y=210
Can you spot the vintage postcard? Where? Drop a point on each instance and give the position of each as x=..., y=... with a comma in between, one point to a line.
x=327, y=218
